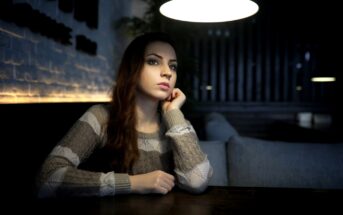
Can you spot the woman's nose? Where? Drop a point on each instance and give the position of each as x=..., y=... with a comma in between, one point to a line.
x=165, y=71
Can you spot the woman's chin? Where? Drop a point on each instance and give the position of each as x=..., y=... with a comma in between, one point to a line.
x=163, y=96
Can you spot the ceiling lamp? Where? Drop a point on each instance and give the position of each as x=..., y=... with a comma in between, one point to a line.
x=208, y=10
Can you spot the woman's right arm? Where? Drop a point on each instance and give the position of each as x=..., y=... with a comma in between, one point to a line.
x=60, y=174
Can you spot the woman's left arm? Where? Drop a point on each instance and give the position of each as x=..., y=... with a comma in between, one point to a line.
x=192, y=167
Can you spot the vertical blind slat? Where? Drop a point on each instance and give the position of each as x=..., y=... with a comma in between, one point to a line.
x=243, y=62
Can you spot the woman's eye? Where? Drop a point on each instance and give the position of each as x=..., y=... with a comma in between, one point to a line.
x=173, y=67
x=152, y=62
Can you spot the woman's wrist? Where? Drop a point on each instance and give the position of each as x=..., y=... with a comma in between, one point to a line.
x=133, y=183
x=173, y=117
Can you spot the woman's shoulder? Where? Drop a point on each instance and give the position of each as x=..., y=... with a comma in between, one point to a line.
x=99, y=111
x=101, y=108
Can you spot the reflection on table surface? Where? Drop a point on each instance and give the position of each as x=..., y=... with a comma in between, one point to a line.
x=215, y=200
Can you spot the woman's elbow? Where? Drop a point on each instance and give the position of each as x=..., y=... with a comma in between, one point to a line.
x=196, y=186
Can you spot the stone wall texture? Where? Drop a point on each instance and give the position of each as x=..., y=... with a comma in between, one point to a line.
x=36, y=66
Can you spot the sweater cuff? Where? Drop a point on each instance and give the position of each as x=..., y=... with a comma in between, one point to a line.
x=174, y=117
x=122, y=183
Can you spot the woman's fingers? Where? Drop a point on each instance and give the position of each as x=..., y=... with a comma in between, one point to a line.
x=175, y=100
x=167, y=184
x=164, y=182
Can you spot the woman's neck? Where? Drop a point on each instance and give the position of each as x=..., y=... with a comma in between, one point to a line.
x=147, y=115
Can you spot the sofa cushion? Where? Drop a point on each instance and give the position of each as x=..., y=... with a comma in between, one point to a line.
x=216, y=154
x=217, y=127
x=261, y=163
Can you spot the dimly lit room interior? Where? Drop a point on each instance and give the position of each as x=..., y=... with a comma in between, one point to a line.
x=59, y=57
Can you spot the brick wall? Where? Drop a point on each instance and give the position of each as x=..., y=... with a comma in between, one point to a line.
x=37, y=66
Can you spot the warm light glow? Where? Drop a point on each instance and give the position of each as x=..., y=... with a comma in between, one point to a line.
x=17, y=98
x=208, y=10
x=298, y=88
x=323, y=79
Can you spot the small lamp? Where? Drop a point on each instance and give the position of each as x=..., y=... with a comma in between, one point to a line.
x=323, y=79
x=208, y=10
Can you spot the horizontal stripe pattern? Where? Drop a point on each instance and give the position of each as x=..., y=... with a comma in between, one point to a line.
x=197, y=177
x=89, y=118
x=55, y=180
x=173, y=147
x=67, y=153
x=148, y=145
x=181, y=130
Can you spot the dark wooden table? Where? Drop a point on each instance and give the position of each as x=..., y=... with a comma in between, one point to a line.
x=216, y=200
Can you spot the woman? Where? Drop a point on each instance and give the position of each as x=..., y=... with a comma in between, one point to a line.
x=140, y=142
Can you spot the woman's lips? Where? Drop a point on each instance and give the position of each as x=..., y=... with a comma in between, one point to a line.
x=164, y=86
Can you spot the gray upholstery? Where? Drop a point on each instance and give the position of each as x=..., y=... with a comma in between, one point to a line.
x=218, y=128
x=260, y=163
x=216, y=154
x=251, y=162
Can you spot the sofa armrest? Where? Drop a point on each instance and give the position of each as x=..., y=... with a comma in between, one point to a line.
x=216, y=154
x=217, y=127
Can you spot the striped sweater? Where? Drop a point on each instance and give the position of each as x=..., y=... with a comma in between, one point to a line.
x=174, y=149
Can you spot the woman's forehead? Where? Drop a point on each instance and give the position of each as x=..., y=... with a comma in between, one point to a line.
x=161, y=48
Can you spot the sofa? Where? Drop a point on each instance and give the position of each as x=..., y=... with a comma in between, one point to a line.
x=251, y=162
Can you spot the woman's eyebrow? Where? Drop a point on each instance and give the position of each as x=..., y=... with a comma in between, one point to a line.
x=159, y=56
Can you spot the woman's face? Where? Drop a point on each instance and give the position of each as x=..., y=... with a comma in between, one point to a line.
x=158, y=75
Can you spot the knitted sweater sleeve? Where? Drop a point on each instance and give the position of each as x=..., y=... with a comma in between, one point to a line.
x=192, y=167
x=60, y=174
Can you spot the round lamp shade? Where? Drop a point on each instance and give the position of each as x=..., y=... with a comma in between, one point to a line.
x=208, y=10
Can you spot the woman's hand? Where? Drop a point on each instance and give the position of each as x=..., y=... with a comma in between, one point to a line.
x=152, y=182
x=176, y=99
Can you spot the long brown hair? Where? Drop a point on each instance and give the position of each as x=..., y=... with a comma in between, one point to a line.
x=122, y=149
